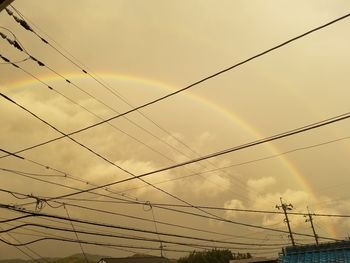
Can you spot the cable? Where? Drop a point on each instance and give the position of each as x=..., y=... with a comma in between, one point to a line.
x=21, y=210
x=29, y=173
x=65, y=186
x=54, y=221
x=104, y=158
x=13, y=208
x=79, y=105
x=210, y=76
x=21, y=47
x=21, y=250
x=27, y=72
x=29, y=249
x=155, y=227
x=86, y=242
x=14, y=219
x=202, y=216
x=76, y=235
x=120, y=237
x=47, y=234
x=144, y=219
x=244, y=163
x=218, y=73
x=204, y=79
x=158, y=205
x=120, y=97
x=193, y=214
x=78, y=179
x=230, y=150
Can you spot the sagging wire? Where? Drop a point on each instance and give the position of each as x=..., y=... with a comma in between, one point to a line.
x=76, y=234
x=15, y=43
x=150, y=208
x=40, y=203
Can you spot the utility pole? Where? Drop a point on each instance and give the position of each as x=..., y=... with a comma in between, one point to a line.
x=312, y=225
x=286, y=208
x=4, y=4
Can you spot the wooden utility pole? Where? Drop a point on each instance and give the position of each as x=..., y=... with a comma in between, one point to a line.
x=4, y=4
x=286, y=208
x=312, y=225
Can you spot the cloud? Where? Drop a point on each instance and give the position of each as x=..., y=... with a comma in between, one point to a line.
x=263, y=199
x=260, y=185
x=233, y=204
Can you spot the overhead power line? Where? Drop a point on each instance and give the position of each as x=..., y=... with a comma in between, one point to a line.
x=115, y=93
x=24, y=252
x=41, y=214
x=97, y=234
x=206, y=78
x=76, y=235
x=114, y=213
x=210, y=76
x=22, y=210
x=89, y=243
x=226, y=151
x=202, y=80
x=104, y=158
x=272, y=138
x=17, y=44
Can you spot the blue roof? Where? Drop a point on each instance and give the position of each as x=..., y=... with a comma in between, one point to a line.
x=325, y=253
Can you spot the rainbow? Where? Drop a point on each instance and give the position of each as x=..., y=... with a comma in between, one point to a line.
x=233, y=117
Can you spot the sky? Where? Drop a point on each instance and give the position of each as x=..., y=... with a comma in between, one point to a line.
x=143, y=50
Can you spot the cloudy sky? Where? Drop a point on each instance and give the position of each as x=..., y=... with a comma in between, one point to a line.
x=142, y=50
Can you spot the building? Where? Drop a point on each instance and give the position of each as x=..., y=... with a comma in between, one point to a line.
x=326, y=252
x=145, y=259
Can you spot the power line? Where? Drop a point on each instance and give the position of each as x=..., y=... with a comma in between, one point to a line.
x=29, y=249
x=21, y=47
x=76, y=234
x=226, y=151
x=178, y=178
x=118, y=96
x=44, y=234
x=332, y=22
x=96, y=234
x=54, y=221
x=210, y=76
x=103, y=158
x=166, y=207
x=67, y=187
x=22, y=210
x=65, y=174
x=244, y=163
x=138, y=218
x=113, y=126
x=177, y=205
x=204, y=79
x=41, y=214
x=19, y=249
x=87, y=242
x=16, y=194
x=229, y=150
x=83, y=107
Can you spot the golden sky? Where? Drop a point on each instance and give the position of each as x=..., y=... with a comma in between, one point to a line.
x=143, y=50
